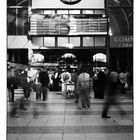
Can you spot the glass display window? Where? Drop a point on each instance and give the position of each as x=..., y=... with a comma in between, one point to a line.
x=62, y=41
x=49, y=41
x=100, y=41
x=88, y=41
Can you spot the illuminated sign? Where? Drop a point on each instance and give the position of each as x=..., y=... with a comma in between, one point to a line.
x=67, y=25
x=85, y=4
x=121, y=41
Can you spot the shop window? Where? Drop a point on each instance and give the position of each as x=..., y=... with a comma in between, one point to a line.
x=49, y=41
x=74, y=11
x=17, y=2
x=62, y=41
x=99, y=41
x=88, y=41
x=75, y=41
x=37, y=41
x=11, y=21
x=100, y=57
x=16, y=21
x=99, y=12
x=88, y=12
x=51, y=12
x=36, y=11
x=22, y=15
x=11, y=2
x=62, y=11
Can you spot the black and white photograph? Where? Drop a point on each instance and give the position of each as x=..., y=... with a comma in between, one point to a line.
x=69, y=70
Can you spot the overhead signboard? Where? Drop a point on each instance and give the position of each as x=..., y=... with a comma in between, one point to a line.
x=67, y=25
x=85, y=4
x=121, y=41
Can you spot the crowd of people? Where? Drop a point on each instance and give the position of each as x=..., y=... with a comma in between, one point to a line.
x=40, y=81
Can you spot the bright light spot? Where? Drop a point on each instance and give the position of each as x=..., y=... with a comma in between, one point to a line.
x=66, y=55
x=110, y=32
x=99, y=57
x=38, y=58
x=70, y=46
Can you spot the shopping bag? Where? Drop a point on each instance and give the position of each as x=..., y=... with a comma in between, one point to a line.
x=126, y=85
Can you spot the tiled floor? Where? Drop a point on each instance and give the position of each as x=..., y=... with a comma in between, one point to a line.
x=60, y=119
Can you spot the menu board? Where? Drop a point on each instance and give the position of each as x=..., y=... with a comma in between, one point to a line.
x=67, y=25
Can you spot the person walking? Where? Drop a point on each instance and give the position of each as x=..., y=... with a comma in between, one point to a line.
x=111, y=98
x=12, y=82
x=123, y=80
x=65, y=78
x=44, y=81
x=56, y=80
x=102, y=84
x=83, y=83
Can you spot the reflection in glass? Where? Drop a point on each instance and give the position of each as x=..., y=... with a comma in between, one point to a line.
x=62, y=11
x=22, y=15
x=75, y=41
x=37, y=41
x=62, y=41
x=49, y=12
x=49, y=41
x=88, y=41
x=88, y=12
x=74, y=11
x=11, y=21
x=99, y=41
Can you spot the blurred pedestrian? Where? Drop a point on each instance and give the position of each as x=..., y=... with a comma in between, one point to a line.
x=83, y=84
x=111, y=98
x=44, y=81
x=37, y=86
x=12, y=82
x=102, y=84
x=56, y=80
x=31, y=74
x=24, y=84
x=75, y=77
x=95, y=84
x=122, y=78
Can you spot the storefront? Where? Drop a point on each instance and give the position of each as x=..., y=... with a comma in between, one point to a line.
x=121, y=52
x=81, y=27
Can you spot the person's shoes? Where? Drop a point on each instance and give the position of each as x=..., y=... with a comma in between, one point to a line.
x=106, y=116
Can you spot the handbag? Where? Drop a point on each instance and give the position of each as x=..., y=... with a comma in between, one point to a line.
x=126, y=85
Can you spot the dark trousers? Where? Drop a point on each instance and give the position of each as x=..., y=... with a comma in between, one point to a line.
x=26, y=91
x=12, y=94
x=123, y=90
x=44, y=92
x=38, y=92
